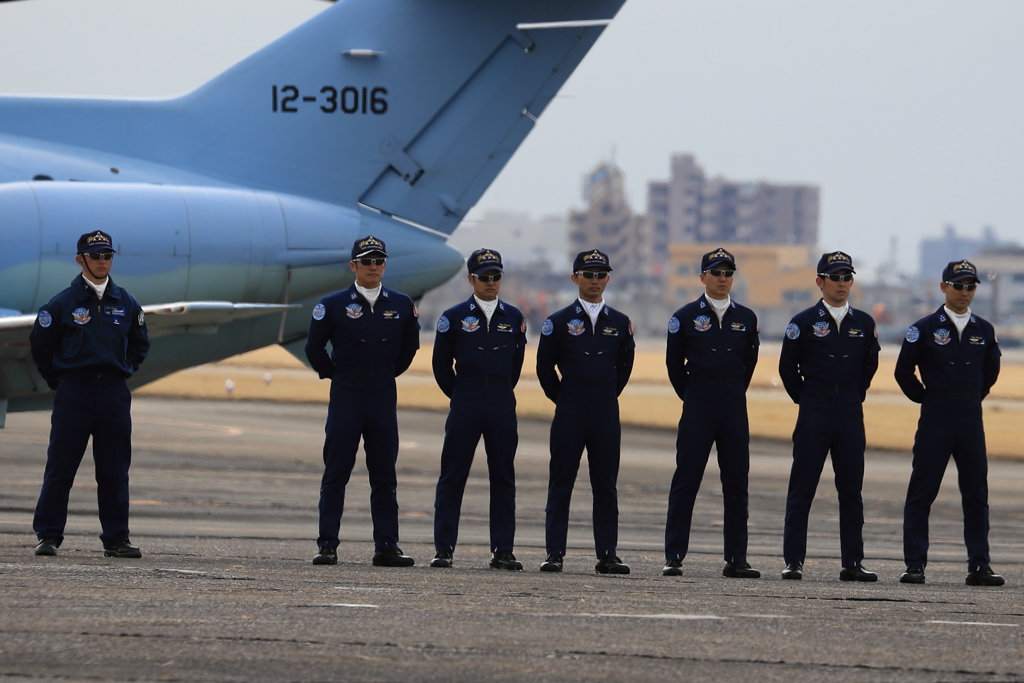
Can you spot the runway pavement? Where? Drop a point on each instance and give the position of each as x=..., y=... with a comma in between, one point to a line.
x=224, y=508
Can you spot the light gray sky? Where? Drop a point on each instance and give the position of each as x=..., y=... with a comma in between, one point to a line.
x=907, y=113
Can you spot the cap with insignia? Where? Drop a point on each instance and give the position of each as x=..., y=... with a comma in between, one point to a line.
x=955, y=271
x=483, y=260
x=718, y=257
x=92, y=242
x=834, y=262
x=591, y=259
x=364, y=246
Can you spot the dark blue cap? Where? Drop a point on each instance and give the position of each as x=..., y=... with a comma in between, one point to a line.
x=484, y=259
x=364, y=246
x=92, y=242
x=718, y=257
x=591, y=259
x=955, y=271
x=834, y=262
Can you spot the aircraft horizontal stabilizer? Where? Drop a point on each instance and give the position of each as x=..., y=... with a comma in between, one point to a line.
x=202, y=317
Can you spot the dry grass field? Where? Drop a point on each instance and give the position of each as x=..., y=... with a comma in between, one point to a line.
x=273, y=374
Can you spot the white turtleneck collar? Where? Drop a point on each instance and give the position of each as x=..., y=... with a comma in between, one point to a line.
x=593, y=310
x=960, y=320
x=838, y=313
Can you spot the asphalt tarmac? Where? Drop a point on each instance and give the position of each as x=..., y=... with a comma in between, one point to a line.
x=224, y=498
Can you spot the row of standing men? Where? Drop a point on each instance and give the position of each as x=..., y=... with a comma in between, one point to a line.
x=584, y=360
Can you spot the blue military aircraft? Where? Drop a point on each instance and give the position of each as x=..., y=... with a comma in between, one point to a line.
x=233, y=207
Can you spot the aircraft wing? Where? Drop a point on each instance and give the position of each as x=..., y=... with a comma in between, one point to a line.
x=197, y=317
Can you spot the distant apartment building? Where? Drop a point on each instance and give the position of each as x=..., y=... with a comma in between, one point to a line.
x=609, y=224
x=936, y=252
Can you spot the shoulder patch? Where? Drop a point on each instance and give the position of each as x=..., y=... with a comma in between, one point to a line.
x=913, y=334
x=45, y=319
x=673, y=325
x=793, y=331
x=142, y=318
x=443, y=325
x=319, y=312
x=630, y=328
x=547, y=328
x=415, y=311
x=522, y=326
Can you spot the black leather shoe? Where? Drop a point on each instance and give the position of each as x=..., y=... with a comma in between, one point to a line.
x=122, y=549
x=914, y=574
x=47, y=546
x=984, y=577
x=857, y=573
x=673, y=568
x=794, y=571
x=392, y=557
x=326, y=556
x=552, y=564
x=506, y=560
x=442, y=560
x=610, y=565
x=740, y=570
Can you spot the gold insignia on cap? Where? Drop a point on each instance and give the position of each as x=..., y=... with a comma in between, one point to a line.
x=963, y=265
x=98, y=237
x=486, y=255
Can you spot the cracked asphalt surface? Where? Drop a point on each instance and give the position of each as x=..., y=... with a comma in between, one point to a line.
x=224, y=508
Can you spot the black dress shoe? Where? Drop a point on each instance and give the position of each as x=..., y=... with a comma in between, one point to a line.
x=857, y=573
x=506, y=560
x=392, y=557
x=673, y=568
x=122, y=549
x=326, y=556
x=740, y=570
x=47, y=546
x=914, y=574
x=984, y=577
x=610, y=565
x=794, y=571
x=443, y=560
x=552, y=564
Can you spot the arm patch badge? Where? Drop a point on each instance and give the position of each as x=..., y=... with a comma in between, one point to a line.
x=793, y=331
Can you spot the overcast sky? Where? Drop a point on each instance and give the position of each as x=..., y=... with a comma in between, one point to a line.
x=907, y=113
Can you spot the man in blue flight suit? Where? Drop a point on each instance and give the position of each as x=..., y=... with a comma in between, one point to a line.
x=87, y=341
x=592, y=345
x=957, y=354
x=485, y=340
x=374, y=333
x=829, y=356
x=711, y=354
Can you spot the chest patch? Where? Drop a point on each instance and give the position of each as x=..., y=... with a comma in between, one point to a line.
x=81, y=316
x=354, y=311
x=739, y=327
x=610, y=332
x=575, y=327
x=979, y=341
x=470, y=324
x=941, y=336
x=702, y=323
x=855, y=332
x=114, y=310
x=503, y=327
x=821, y=329
x=391, y=315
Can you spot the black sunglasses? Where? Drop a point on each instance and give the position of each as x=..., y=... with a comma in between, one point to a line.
x=718, y=272
x=372, y=261
x=836, y=277
x=590, y=275
x=959, y=286
x=100, y=257
x=488, y=278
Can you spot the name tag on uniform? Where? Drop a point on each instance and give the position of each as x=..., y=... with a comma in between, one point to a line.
x=610, y=331
x=856, y=333
x=114, y=310
x=391, y=315
x=503, y=327
x=739, y=327
x=976, y=340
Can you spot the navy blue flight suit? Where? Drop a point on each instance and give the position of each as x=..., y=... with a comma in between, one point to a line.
x=958, y=372
x=487, y=361
x=827, y=371
x=594, y=364
x=710, y=364
x=371, y=346
x=86, y=348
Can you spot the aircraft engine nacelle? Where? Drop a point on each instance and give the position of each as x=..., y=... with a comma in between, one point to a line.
x=174, y=243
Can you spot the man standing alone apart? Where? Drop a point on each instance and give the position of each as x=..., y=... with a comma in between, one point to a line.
x=87, y=341
x=485, y=340
x=957, y=354
x=592, y=346
x=829, y=356
x=712, y=351
x=374, y=333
